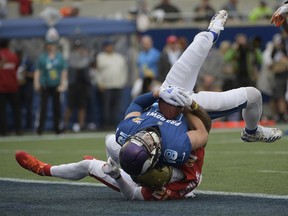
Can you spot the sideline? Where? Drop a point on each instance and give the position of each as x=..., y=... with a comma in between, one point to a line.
x=222, y=193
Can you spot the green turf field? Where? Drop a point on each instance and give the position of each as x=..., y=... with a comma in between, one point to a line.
x=230, y=164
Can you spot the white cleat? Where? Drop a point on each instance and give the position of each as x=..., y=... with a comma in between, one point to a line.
x=263, y=134
x=218, y=21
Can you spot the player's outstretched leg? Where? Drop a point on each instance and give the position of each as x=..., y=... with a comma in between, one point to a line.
x=32, y=164
x=253, y=132
x=261, y=134
x=185, y=71
x=217, y=23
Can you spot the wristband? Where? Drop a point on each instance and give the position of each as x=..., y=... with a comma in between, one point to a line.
x=195, y=108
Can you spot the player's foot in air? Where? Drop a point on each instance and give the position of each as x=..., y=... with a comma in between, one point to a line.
x=262, y=134
x=30, y=162
x=217, y=23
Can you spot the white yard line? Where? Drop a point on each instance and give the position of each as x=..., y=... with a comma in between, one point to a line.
x=255, y=195
x=273, y=171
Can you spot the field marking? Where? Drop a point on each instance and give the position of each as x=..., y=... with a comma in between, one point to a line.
x=273, y=171
x=245, y=152
x=222, y=193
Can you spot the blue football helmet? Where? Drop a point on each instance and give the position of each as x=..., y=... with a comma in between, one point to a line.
x=140, y=152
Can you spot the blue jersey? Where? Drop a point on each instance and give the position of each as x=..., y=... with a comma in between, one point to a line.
x=176, y=146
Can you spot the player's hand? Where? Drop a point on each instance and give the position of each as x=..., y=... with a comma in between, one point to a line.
x=176, y=96
x=111, y=168
x=280, y=15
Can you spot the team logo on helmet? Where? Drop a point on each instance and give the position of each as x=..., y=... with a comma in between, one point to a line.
x=140, y=152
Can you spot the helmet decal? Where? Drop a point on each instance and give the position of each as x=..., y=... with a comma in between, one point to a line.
x=140, y=152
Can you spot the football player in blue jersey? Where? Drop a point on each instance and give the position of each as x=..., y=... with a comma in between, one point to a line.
x=146, y=137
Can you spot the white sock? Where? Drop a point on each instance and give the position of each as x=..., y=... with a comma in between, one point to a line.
x=252, y=113
x=72, y=171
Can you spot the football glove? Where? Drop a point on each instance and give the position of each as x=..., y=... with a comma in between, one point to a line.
x=111, y=168
x=176, y=96
x=280, y=15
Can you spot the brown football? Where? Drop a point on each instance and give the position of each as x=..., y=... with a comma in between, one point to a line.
x=169, y=111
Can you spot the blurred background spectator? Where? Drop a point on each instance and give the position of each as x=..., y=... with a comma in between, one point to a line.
x=79, y=84
x=246, y=60
x=140, y=7
x=50, y=80
x=25, y=74
x=261, y=12
x=232, y=7
x=266, y=82
x=3, y=9
x=239, y=60
x=147, y=62
x=279, y=68
x=70, y=10
x=112, y=76
x=211, y=73
x=25, y=7
x=9, y=88
x=171, y=12
x=204, y=11
x=229, y=79
x=170, y=54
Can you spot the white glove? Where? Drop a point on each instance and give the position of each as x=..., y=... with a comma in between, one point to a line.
x=280, y=13
x=283, y=10
x=111, y=168
x=176, y=96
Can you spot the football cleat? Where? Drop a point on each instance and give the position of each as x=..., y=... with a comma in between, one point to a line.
x=88, y=157
x=30, y=162
x=262, y=134
x=217, y=23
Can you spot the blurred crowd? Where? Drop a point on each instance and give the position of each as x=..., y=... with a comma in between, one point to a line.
x=158, y=11
x=85, y=87
x=84, y=74
x=169, y=11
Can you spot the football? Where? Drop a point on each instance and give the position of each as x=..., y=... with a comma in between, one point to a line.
x=169, y=111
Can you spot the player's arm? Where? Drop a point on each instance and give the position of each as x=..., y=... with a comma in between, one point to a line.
x=200, y=124
x=130, y=192
x=134, y=192
x=202, y=114
x=63, y=80
x=36, y=79
x=140, y=103
x=172, y=94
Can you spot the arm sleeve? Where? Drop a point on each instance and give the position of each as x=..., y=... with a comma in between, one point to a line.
x=141, y=102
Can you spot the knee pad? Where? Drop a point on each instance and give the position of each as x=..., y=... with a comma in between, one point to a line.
x=253, y=96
